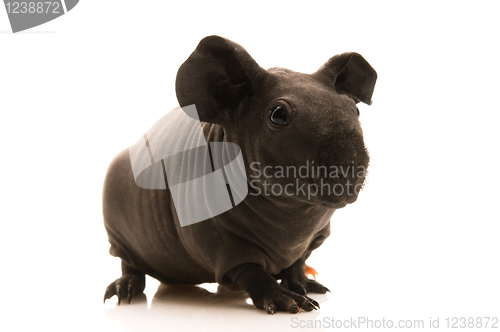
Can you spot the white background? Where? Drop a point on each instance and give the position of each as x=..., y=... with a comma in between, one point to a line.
x=422, y=241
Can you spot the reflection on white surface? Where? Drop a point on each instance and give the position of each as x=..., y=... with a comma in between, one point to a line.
x=205, y=307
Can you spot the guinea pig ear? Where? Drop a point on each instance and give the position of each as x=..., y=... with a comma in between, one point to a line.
x=351, y=75
x=216, y=78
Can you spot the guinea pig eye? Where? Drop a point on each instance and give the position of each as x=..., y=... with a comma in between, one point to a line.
x=278, y=116
x=357, y=111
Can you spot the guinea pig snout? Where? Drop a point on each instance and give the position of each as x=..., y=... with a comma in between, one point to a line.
x=345, y=157
x=344, y=149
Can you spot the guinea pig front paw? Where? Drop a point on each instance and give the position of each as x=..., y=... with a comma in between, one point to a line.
x=127, y=286
x=281, y=299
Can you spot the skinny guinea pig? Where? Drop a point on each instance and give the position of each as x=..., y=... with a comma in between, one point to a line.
x=280, y=120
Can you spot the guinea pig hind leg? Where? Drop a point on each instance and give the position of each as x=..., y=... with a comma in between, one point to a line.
x=265, y=291
x=131, y=283
x=294, y=279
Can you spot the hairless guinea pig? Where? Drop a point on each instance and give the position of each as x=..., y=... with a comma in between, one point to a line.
x=290, y=153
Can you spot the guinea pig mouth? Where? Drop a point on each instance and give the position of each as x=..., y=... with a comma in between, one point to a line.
x=334, y=205
x=338, y=192
x=344, y=176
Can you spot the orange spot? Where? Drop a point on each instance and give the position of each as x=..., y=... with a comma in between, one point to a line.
x=310, y=271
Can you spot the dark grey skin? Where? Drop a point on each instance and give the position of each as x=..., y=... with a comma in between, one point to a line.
x=265, y=238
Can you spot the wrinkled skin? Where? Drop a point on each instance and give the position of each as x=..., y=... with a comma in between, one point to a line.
x=266, y=237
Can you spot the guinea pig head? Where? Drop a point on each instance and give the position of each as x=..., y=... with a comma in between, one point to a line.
x=300, y=134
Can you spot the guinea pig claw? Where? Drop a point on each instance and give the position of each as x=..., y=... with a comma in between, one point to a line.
x=110, y=292
x=130, y=292
x=271, y=309
x=107, y=295
x=118, y=288
x=309, y=306
x=294, y=309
